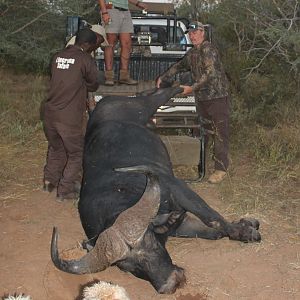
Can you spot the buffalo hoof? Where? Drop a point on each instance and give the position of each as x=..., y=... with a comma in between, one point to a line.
x=249, y=222
x=246, y=230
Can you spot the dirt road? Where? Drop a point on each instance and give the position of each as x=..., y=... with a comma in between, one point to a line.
x=214, y=269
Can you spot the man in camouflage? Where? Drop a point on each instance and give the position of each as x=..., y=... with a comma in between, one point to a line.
x=211, y=92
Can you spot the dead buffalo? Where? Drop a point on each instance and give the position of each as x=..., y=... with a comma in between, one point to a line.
x=130, y=201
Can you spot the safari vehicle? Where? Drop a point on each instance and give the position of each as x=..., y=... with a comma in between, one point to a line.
x=159, y=40
x=157, y=44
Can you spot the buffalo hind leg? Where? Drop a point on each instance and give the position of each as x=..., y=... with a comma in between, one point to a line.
x=243, y=230
x=192, y=227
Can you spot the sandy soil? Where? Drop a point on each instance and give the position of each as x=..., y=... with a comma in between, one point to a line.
x=214, y=269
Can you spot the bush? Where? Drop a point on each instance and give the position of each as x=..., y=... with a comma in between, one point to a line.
x=20, y=102
x=276, y=150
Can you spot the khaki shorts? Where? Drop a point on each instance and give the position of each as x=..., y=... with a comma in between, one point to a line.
x=121, y=21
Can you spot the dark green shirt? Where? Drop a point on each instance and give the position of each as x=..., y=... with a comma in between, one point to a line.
x=206, y=69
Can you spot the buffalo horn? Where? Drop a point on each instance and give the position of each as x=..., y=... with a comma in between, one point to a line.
x=113, y=243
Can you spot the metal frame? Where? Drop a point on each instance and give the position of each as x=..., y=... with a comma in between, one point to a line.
x=197, y=123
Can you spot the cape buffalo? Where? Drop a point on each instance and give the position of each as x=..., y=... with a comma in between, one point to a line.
x=130, y=200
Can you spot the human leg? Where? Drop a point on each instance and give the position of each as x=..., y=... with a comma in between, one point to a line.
x=56, y=158
x=73, y=141
x=219, y=111
x=109, y=58
x=125, y=41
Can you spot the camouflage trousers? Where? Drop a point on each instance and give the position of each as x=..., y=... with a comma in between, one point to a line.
x=217, y=111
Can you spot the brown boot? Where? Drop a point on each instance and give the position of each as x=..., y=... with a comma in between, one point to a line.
x=109, y=78
x=125, y=78
x=217, y=176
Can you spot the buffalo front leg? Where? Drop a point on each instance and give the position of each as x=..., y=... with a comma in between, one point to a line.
x=244, y=230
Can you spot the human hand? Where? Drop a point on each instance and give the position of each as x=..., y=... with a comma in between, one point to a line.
x=187, y=89
x=158, y=82
x=142, y=5
x=105, y=18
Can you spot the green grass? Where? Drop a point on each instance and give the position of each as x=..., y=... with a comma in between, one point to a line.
x=20, y=103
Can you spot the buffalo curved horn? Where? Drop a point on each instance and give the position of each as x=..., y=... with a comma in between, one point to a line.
x=145, y=210
x=113, y=243
x=89, y=263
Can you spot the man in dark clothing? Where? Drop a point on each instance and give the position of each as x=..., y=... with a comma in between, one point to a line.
x=73, y=74
x=211, y=92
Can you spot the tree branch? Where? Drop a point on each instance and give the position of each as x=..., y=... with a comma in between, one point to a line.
x=29, y=23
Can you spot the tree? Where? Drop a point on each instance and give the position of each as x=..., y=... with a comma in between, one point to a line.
x=195, y=9
x=260, y=45
x=32, y=30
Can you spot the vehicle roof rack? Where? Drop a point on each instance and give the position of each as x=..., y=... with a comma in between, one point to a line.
x=154, y=8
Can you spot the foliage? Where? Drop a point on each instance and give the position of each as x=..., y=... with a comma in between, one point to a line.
x=259, y=44
x=195, y=9
x=20, y=104
x=33, y=30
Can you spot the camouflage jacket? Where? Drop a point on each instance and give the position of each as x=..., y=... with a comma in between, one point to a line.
x=207, y=72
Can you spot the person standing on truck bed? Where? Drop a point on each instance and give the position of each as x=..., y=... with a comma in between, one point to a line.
x=118, y=25
x=73, y=74
x=211, y=92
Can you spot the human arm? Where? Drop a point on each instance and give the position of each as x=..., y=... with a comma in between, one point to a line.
x=104, y=13
x=139, y=4
x=181, y=66
x=91, y=76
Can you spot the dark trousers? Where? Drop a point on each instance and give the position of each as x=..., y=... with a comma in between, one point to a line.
x=217, y=111
x=64, y=158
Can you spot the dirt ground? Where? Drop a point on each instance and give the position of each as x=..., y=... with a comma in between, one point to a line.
x=214, y=269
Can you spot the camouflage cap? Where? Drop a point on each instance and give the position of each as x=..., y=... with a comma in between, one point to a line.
x=195, y=25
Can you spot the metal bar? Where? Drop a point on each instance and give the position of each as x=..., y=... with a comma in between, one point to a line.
x=176, y=115
x=159, y=44
x=201, y=165
x=177, y=126
x=175, y=28
x=168, y=30
x=168, y=105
